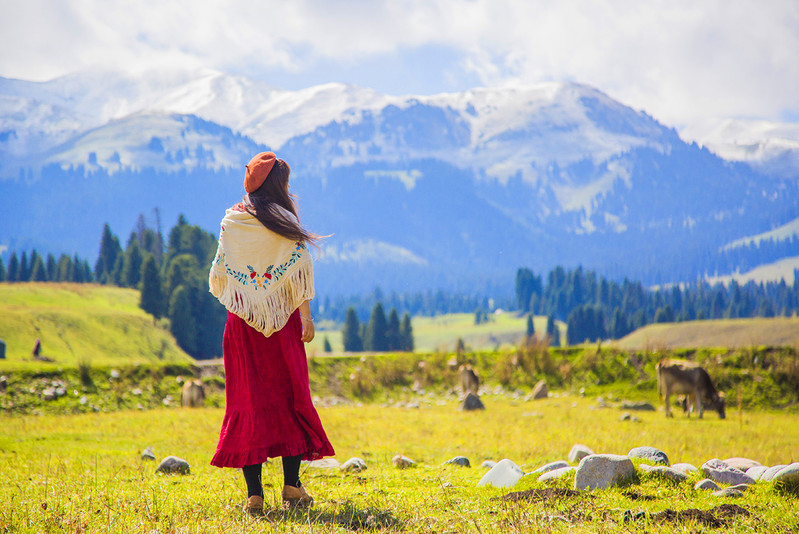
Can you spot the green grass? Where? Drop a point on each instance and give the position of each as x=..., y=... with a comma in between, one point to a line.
x=82, y=473
x=79, y=323
x=441, y=333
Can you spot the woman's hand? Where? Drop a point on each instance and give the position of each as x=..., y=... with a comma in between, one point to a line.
x=307, y=329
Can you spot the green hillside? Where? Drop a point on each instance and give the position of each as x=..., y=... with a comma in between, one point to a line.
x=76, y=323
x=730, y=333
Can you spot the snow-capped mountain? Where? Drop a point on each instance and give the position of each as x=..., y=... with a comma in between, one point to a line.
x=454, y=187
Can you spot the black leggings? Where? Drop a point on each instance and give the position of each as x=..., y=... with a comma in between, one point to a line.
x=291, y=475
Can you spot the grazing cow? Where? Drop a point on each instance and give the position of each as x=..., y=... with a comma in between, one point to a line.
x=193, y=394
x=470, y=382
x=688, y=378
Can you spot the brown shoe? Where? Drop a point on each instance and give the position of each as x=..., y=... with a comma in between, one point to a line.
x=255, y=506
x=296, y=497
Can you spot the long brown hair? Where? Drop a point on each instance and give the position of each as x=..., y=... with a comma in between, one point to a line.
x=263, y=205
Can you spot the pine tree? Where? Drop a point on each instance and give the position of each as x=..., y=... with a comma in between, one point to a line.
x=553, y=332
x=406, y=333
x=110, y=250
x=78, y=274
x=52, y=268
x=38, y=269
x=24, y=271
x=64, y=269
x=530, y=331
x=393, y=340
x=13, y=268
x=151, y=298
x=375, y=338
x=131, y=266
x=181, y=320
x=3, y=273
x=351, y=336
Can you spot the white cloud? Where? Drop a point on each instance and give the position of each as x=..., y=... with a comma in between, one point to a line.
x=678, y=60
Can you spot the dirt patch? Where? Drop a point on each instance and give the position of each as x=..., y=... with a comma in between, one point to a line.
x=714, y=518
x=537, y=495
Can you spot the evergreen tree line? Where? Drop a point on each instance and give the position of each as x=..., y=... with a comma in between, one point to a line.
x=379, y=334
x=597, y=308
x=35, y=268
x=427, y=303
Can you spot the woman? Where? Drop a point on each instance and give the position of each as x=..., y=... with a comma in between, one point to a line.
x=263, y=275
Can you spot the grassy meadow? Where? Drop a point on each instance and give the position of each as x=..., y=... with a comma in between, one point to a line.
x=83, y=473
x=77, y=323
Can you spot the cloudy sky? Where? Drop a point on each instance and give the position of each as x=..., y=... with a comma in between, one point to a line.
x=679, y=60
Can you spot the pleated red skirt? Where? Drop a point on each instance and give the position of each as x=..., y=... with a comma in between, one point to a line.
x=269, y=411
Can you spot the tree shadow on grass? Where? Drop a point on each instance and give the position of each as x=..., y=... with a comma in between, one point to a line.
x=343, y=514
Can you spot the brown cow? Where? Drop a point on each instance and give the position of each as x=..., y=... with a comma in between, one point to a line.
x=688, y=378
x=470, y=382
x=193, y=394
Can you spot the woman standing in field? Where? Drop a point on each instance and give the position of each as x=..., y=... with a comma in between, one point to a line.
x=263, y=275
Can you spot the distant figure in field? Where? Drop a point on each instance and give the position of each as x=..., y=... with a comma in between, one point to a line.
x=690, y=379
x=263, y=274
x=37, y=349
x=193, y=394
x=470, y=382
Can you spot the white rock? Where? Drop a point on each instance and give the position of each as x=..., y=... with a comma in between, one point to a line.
x=741, y=464
x=724, y=474
x=706, y=484
x=685, y=468
x=324, y=463
x=601, y=471
x=663, y=471
x=402, y=462
x=557, y=473
x=488, y=464
x=550, y=467
x=769, y=473
x=788, y=474
x=578, y=452
x=756, y=471
x=353, y=464
x=503, y=475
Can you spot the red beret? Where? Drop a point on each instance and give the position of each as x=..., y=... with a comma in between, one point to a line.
x=258, y=169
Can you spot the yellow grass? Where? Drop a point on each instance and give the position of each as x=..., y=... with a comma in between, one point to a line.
x=80, y=322
x=732, y=333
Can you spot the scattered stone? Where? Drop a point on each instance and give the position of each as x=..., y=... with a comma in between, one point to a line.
x=742, y=464
x=641, y=406
x=503, y=475
x=728, y=492
x=541, y=494
x=551, y=466
x=83, y=400
x=447, y=485
x=722, y=473
x=537, y=415
x=649, y=453
x=3, y=383
x=739, y=487
x=459, y=460
x=472, y=402
x=113, y=374
x=488, y=464
x=756, y=471
x=324, y=463
x=578, y=452
x=540, y=391
x=136, y=392
x=769, y=473
x=48, y=394
x=788, y=474
x=173, y=465
x=148, y=454
x=60, y=391
x=685, y=468
x=706, y=484
x=556, y=474
x=402, y=462
x=412, y=405
x=625, y=416
x=179, y=379
x=662, y=471
x=353, y=464
x=167, y=400
x=601, y=471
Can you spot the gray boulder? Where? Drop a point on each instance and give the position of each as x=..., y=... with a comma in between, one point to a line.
x=650, y=454
x=172, y=465
x=769, y=473
x=354, y=464
x=402, y=462
x=578, y=452
x=148, y=454
x=643, y=406
x=324, y=463
x=472, y=402
x=540, y=391
x=788, y=474
x=739, y=487
x=461, y=461
x=722, y=473
x=662, y=471
x=503, y=475
x=488, y=464
x=556, y=474
x=601, y=471
x=550, y=467
x=742, y=464
x=728, y=492
x=685, y=468
x=706, y=484
x=756, y=471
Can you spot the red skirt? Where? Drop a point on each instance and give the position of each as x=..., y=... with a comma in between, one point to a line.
x=269, y=412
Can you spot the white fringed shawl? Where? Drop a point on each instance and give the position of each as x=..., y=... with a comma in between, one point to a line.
x=259, y=275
